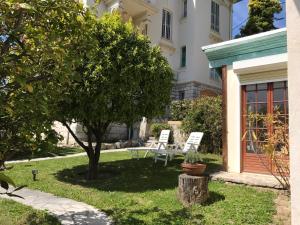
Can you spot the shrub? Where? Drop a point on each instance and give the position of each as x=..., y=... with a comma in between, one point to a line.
x=156, y=129
x=179, y=109
x=205, y=116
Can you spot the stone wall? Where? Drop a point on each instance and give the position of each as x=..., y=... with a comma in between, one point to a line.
x=193, y=90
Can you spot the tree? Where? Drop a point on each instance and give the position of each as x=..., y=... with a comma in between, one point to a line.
x=36, y=59
x=261, y=16
x=121, y=78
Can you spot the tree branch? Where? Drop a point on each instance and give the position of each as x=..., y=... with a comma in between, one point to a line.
x=75, y=137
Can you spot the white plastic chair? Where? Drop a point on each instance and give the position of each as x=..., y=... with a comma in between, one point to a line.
x=192, y=144
x=155, y=146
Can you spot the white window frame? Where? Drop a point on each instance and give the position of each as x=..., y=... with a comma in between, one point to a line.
x=215, y=16
x=167, y=28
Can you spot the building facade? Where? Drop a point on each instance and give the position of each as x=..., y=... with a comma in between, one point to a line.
x=180, y=28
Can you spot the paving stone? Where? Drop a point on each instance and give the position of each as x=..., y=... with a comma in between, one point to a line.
x=257, y=180
x=69, y=212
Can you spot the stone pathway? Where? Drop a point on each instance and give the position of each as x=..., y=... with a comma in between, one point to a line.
x=69, y=212
x=62, y=157
x=258, y=180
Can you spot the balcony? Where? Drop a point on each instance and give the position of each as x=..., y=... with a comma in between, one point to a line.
x=134, y=8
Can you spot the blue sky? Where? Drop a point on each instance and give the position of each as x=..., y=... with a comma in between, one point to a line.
x=240, y=15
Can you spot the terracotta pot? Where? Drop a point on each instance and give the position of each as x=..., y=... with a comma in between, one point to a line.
x=193, y=169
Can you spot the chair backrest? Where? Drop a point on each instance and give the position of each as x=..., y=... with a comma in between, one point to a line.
x=193, y=142
x=163, y=138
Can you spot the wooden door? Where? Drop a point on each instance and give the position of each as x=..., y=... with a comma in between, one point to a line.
x=260, y=99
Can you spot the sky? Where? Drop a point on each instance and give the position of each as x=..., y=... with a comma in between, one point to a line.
x=240, y=15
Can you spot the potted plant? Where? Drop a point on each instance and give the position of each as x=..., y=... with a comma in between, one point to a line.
x=192, y=164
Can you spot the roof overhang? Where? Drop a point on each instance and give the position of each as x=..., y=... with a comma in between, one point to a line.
x=255, y=46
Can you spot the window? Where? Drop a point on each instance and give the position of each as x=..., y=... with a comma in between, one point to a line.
x=215, y=16
x=184, y=8
x=183, y=57
x=166, y=24
x=145, y=30
x=215, y=74
x=263, y=99
x=181, y=95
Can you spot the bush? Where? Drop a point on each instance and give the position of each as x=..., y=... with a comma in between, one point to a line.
x=205, y=116
x=156, y=129
x=179, y=109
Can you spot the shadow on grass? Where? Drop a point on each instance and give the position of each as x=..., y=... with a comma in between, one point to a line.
x=129, y=175
x=161, y=217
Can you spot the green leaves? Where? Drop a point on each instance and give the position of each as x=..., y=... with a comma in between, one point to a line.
x=261, y=16
x=205, y=115
x=38, y=56
x=5, y=181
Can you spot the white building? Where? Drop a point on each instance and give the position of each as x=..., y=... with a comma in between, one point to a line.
x=180, y=28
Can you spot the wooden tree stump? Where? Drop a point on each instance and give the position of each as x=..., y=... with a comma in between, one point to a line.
x=192, y=189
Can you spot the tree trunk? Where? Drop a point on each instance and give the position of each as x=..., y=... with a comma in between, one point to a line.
x=2, y=165
x=93, y=168
x=192, y=189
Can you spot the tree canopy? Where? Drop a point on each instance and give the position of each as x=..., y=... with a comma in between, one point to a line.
x=121, y=78
x=261, y=16
x=36, y=59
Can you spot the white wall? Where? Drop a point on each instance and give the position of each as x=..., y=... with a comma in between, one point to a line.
x=233, y=121
x=293, y=27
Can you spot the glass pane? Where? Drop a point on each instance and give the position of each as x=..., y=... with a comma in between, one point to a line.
x=287, y=107
x=262, y=86
x=251, y=123
x=251, y=108
x=251, y=97
x=262, y=134
x=262, y=96
x=261, y=123
x=286, y=94
x=262, y=108
x=278, y=107
x=279, y=84
x=250, y=147
x=251, y=87
x=278, y=94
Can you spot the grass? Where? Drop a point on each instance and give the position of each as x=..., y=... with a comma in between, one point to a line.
x=12, y=213
x=139, y=192
x=58, y=151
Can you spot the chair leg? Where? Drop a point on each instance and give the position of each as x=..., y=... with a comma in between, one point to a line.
x=166, y=160
x=146, y=153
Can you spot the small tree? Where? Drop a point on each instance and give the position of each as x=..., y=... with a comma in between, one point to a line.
x=120, y=79
x=261, y=16
x=205, y=116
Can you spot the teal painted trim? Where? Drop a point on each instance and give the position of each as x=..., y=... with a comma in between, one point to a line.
x=229, y=60
x=247, y=48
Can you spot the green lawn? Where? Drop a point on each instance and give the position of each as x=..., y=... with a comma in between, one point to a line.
x=12, y=213
x=58, y=151
x=137, y=192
